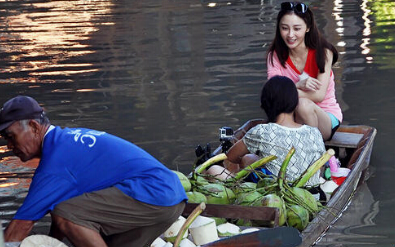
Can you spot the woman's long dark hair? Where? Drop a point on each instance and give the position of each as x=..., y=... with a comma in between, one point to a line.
x=313, y=40
x=279, y=95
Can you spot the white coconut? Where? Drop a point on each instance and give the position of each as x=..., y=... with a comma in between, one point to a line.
x=41, y=241
x=171, y=233
x=228, y=229
x=168, y=244
x=158, y=242
x=248, y=230
x=187, y=243
x=203, y=230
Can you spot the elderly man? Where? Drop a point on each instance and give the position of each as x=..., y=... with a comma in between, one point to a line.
x=100, y=189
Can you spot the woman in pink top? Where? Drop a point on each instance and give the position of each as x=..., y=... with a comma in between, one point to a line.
x=300, y=52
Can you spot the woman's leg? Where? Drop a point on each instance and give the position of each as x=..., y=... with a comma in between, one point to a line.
x=248, y=159
x=219, y=172
x=307, y=112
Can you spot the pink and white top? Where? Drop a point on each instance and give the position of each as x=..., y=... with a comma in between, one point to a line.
x=329, y=104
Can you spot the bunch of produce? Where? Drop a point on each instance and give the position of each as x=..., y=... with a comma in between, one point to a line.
x=297, y=206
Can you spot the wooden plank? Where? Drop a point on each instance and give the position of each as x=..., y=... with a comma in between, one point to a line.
x=345, y=139
x=236, y=212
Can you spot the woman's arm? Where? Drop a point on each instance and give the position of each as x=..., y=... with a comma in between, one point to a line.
x=315, y=89
x=237, y=151
x=274, y=68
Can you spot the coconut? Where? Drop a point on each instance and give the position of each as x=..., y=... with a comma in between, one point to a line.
x=219, y=221
x=248, y=230
x=201, y=181
x=171, y=233
x=273, y=200
x=307, y=197
x=298, y=217
x=184, y=180
x=218, y=194
x=196, y=197
x=228, y=230
x=158, y=242
x=248, y=198
x=243, y=222
x=168, y=244
x=42, y=241
x=203, y=230
x=245, y=187
x=187, y=243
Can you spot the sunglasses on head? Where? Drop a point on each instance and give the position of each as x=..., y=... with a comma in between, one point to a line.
x=298, y=7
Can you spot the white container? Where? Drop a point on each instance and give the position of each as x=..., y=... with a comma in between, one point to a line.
x=41, y=240
x=341, y=172
x=203, y=230
x=248, y=230
x=187, y=243
x=227, y=229
x=171, y=233
x=329, y=186
x=158, y=242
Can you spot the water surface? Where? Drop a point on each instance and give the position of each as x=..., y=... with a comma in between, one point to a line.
x=167, y=74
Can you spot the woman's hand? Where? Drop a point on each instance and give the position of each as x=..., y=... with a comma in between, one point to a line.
x=309, y=84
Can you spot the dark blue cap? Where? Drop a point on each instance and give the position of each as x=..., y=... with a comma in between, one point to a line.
x=19, y=108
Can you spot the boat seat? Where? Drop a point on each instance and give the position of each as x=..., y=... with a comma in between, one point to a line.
x=345, y=140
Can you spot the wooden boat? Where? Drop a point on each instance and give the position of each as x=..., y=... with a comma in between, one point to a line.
x=353, y=146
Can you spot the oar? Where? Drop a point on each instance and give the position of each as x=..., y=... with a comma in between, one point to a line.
x=270, y=237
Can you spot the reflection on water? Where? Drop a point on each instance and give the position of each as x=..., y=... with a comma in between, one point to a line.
x=349, y=227
x=167, y=74
x=39, y=38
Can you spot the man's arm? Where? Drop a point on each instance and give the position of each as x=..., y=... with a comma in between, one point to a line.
x=17, y=230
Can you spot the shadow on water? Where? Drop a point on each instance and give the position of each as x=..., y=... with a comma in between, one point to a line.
x=166, y=75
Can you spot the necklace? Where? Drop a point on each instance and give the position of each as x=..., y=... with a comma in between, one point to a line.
x=298, y=62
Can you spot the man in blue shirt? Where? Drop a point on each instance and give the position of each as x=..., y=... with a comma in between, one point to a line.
x=100, y=189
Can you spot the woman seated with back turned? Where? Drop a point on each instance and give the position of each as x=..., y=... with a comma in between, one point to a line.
x=279, y=99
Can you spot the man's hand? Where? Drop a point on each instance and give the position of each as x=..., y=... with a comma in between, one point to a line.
x=17, y=230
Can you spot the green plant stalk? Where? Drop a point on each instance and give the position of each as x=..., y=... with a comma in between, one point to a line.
x=253, y=166
x=212, y=160
x=283, y=169
x=195, y=213
x=314, y=168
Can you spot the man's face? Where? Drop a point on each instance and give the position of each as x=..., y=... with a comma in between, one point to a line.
x=22, y=141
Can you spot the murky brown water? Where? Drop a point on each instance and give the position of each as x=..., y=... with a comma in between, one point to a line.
x=167, y=74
